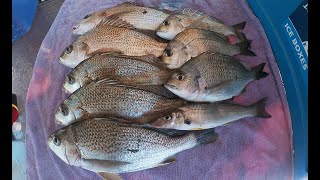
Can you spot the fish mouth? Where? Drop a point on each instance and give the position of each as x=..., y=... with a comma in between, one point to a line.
x=170, y=86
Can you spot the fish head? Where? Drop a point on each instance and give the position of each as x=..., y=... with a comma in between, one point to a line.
x=170, y=27
x=65, y=113
x=175, y=55
x=71, y=84
x=74, y=54
x=62, y=144
x=87, y=23
x=182, y=84
x=172, y=120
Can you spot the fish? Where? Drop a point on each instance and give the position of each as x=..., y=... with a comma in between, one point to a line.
x=189, y=18
x=138, y=16
x=198, y=116
x=113, y=37
x=109, y=98
x=129, y=70
x=101, y=145
x=212, y=77
x=193, y=42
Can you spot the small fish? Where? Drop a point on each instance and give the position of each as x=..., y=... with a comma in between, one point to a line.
x=212, y=77
x=209, y=115
x=193, y=42
x=142, y=70
x=114, y=36
x=138, y=16
x=188, y=18
x=109, y=98
x=100, y=145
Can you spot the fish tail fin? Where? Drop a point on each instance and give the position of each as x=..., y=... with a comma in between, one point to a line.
x=206, y=136
x=240, y=26
x=258, y=71
x=261, y=108
x=237, y=28
x=244, y=48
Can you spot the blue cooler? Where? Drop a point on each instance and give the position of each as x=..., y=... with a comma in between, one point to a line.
x=23, y=12
x=286, y=25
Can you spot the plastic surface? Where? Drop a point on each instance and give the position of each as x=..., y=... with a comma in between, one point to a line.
x=286, y=26
x=23, y=12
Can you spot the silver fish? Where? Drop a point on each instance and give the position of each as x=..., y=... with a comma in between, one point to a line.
x=108, y=98
x=138, y=16
x=210, y=115
x=188, y=18
x=193, y=42
x=143, y=70
x=100, y=145
x=212, y=77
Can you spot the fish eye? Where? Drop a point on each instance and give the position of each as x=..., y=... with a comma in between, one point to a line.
x=168, y=53
x=187, y=122
x=167, y=117
x=166, y=23
x=56, y=141
x=64, y=110
x=71, y=80
x=69, y=49
x=180, y=77
x=87, y=16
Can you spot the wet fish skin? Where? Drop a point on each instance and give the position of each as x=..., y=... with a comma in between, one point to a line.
x=113, y=39
x=145, y=70
x=176, y=23
x=103, y=98
x=193, y=42
x=209, y=115
x=212, y=77
x=140, y=17
x=101, y=145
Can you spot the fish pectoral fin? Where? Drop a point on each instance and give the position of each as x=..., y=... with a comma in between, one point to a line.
x=225, y=85
x=113, y=82
x=118, y=120
x=97, y=165
x=196, y=23
x=167, y=161
x=116, y=21
x=110, y=176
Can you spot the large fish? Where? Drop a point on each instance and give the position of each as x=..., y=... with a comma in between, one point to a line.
x=188, y=18
x=212, y=77
x=193, y=42
x=100, y=145
x=104, y=98
x=210, y=115
x=138, y=16
x=143, y=70
x=114, y=36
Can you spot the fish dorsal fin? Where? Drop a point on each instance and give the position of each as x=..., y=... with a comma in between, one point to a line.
x=113, y=82
x=116, y=22
x=125, y=4
x=195, y=13
x=159, y=90
x=110, y=176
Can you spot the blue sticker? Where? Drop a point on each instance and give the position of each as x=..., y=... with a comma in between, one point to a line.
x=296, y=29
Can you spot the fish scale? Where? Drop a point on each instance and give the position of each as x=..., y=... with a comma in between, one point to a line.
x=126, y=69
x=99, y=137
x=104, y=99
x=218, y=68
x=116, y=38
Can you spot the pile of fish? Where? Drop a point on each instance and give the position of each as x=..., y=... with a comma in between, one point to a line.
x=147, y=84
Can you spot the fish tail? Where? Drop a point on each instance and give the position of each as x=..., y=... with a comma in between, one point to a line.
x=206, y=136
x=244, y=48
x=237, y=28
x=258, y=71
x=261, y=108
x=240, y=26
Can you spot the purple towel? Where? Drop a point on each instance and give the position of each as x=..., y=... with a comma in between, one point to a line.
x=252, y=148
